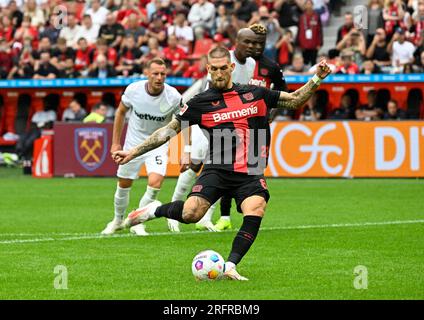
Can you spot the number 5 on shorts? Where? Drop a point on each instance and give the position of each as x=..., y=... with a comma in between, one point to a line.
x=158, y=160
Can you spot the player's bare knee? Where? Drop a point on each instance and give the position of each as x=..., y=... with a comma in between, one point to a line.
x=191, y=215
x=259, y=211
x=195, y=208
x=125, y=183
x=155, y=184
x=254, y=207
x=155, y=181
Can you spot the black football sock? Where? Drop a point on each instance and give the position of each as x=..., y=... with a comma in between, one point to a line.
x=172, y=210
x=244, y=238
x=225, y=206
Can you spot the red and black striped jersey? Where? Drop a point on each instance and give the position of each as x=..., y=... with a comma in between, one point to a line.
x=235, y=121
x=268, y=74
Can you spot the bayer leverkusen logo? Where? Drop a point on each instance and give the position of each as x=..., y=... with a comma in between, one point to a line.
x=90, y=147
x=183, y=108
x=248, y=96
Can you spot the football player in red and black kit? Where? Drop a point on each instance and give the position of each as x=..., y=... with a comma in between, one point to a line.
x=235, y=119
x=267, y=74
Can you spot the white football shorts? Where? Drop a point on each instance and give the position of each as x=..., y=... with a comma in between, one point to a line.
x=156, y=161
x=199, y=144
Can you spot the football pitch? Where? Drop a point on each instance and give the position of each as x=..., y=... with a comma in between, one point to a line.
x=320, y=239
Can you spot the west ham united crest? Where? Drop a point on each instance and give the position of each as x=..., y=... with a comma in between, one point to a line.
x=90, y=147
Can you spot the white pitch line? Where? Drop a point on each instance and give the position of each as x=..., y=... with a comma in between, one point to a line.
x=42, y=234
x=88, y=236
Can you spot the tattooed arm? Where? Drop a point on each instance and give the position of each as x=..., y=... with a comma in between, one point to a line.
x=299, y=97
x=158, y=138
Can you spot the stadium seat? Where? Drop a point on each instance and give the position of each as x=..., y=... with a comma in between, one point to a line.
x=415, y=104
x=2, y=116
x=322, y=102
x=383, y=97
x=52, y=102
x=109, y=99
x=201, y=47
x=81, y=97
x=354, y=95
x=22, y=118
x=3, y=126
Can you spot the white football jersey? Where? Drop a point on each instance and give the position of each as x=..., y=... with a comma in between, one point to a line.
x=243, y=72
x=148, y=113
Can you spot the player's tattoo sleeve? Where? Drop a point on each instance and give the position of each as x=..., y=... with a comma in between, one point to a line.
x=297, y=98
x=159, y=137
x=199, y=204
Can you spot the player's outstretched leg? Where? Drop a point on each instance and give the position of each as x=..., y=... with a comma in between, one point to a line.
x=224, y=221
x=184, y=183
x=142, y=215
x=253, y=209
x=190, y=211
x=121, y=200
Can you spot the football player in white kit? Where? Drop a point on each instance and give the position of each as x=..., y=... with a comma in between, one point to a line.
x=152, y=104
x=243, y=73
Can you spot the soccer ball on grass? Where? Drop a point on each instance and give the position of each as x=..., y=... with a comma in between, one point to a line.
x=208, y=265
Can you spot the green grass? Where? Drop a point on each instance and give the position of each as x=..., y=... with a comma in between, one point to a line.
x=284, y=262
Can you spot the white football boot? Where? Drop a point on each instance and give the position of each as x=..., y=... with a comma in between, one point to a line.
x=173, y=225
x=232, y=274
x=115, y=225
x=139, y=230
x=141, y=215
x=206, y=225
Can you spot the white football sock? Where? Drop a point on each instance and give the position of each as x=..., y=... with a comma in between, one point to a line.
x=122, y=198
x=229, y=265
x=208, y=215
x=150, y=195
x=184, y=183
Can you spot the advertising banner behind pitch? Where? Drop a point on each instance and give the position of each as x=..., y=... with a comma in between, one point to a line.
x=83, y=149
x=298, y=149
x=347, y=149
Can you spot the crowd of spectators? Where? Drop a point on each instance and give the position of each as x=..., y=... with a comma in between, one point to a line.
x=110, y=38
x=46, y=39
x=375, y=108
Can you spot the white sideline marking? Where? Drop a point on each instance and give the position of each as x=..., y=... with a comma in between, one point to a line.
x=88, y=236
x=41, y=234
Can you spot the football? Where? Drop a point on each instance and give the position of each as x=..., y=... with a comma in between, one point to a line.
x=208, y=265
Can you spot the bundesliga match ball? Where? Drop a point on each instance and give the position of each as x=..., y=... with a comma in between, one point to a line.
x=208, y=265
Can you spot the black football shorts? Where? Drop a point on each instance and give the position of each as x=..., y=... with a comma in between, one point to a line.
x=212, y=184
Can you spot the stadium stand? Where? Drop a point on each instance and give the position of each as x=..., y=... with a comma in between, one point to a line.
x=30, y=29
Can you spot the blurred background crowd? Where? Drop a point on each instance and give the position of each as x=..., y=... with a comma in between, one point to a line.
x=111, y=38
x=48, y=39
